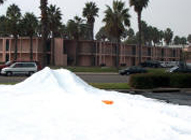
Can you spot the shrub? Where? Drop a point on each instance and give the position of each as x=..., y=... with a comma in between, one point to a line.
x=181, y=80
x=148, y=81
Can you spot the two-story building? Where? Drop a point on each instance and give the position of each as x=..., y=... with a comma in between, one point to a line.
x=85, y=53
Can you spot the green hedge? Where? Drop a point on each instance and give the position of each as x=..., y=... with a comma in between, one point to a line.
x=151, y=80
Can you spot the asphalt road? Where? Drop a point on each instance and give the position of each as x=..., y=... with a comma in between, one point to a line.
x=88, y=77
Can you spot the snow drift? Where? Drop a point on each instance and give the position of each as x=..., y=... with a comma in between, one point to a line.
x=58, y=105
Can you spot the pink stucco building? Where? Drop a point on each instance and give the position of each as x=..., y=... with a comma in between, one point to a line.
x=85, y=53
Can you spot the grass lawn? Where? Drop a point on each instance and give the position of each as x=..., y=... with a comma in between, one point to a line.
x=97, y=85
x=156, y=70
x=87, y=69
x=110, y=85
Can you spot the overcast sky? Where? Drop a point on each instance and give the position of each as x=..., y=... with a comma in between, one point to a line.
x=175, y=14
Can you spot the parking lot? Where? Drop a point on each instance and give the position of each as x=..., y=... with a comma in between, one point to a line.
x=88, y=77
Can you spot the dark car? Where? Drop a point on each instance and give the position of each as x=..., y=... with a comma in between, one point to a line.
x=177, y=69
x=151, y=63
x=132, y=70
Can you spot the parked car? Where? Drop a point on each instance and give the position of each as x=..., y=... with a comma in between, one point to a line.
x=151, y=63
x=177, y=69
x=9, y=63
x=26, y=68
x=169, y=64
x=132, y=70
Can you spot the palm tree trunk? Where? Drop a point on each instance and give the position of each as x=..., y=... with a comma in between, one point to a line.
x=77, y=53
x=43, y=8
x=53, y=49
x=92, y=31
x=140, y=34
x=31, y=48
x=117, y=53
x=16, y=49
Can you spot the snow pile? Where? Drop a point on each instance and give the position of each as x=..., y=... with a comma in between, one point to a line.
x=58, y=105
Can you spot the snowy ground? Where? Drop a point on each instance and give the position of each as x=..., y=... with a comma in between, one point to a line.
x=58, y=105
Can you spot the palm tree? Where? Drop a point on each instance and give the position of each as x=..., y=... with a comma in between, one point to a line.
x=14, y=16
x=54, y=23
x=168, y=35
x=29, y=24
x=90, y=12
x=177, y=40
x=138, y=7
x=189, y=38
x=74, y=28
x=44, y=28
x=101, y=34
x=3, y=26
x=116, y=19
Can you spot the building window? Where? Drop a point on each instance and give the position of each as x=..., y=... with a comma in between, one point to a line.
x=133, y=50
x=7, y=57
x=149, y=51
x=174, y=53
x=64, y=47
x=7, y=45
x=48, y=45
x=162, y=52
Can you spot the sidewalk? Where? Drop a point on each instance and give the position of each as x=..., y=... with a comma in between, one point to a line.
x=178, y=96
x=157, y=90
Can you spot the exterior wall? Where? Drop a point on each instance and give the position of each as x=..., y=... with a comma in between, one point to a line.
x=7, y=49
x=86, y=53
x=187, y=52
x=60, y=56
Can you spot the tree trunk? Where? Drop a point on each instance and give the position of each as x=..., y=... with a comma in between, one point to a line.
x=92, y=31
x=53, y=49
x=77, y=49
x=43, y=8
x=117, y=53
x=140, y=34
x=31, y=48
x=15, y=53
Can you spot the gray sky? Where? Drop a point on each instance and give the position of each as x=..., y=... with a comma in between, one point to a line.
x=174, y=14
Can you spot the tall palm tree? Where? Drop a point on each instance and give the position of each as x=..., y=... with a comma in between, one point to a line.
x=74, y=27
x=29, y=24
x=168, y=35
x=54, y=23
x=3, y=26
x=101, y=34
x=116, y=19
x=138, y=7
x=14, y=16
x=90, y=11
x=44, y=26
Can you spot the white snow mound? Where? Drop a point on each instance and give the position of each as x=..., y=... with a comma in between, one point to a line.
x=58, y=105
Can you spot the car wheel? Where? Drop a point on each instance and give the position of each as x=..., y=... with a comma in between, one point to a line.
x=30, y=73
x=127, y=73
x=9, y=73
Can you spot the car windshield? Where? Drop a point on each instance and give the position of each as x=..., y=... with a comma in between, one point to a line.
x=173, y=68
x=8, y=62
x=13, y=65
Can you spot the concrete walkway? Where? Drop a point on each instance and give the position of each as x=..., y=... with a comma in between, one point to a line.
x=180, y=96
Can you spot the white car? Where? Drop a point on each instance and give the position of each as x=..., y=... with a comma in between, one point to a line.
x=17, y=68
